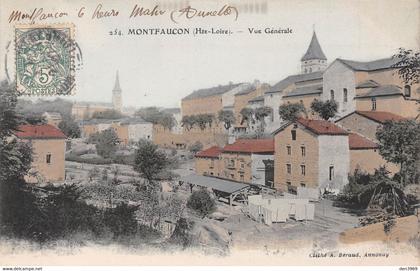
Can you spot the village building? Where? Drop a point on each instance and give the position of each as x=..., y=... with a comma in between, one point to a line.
x=366, y=123
x=246, y=159
x=369, y=86
x=48, y=147
x=52, y=118
x=365, y=156
x=85, y=110
x=311, y=154
x=207, y=162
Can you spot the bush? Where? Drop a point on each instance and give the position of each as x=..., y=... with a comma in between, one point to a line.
x=196, y=147
x=121, y=220
x=201, y=202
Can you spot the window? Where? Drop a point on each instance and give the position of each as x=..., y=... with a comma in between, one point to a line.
x=289, y=150
x=242, y=177
x=242, y=165
x=289, y=168
x=332, y=95
x=293, y=134
x=373, y=104
x=303, y=150
x=344, y=95
x=272, y=115
x=407, y=91
x=331, y=173
x=231, y=163
x=302, y=170
x=302, y=185
x=48, y=158
x=212, y=163
x=232, y=176
x=310, y=69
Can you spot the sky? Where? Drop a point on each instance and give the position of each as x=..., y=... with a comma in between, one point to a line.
x=160, y=70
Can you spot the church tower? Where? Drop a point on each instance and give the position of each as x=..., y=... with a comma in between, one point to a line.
x=314, y=59
x=117, y=95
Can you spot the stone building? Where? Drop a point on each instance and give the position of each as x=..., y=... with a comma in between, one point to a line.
x=366, y=123
x=243, y=161
x=311, y=153
x=207, y=162
x=48, y=146
x=365, y=156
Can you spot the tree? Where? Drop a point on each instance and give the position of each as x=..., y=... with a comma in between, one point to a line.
x=156, y=116
x=70, y=128
x=247, y=115
x=291, y=112
x=196, y=147
x=408, y=65
x=149, y=160
x=260, y=114
x=107, y=114
x=399, y=143
x=106, y=142
x=188, y=122
x=204, y=120
x=202, y=202
x=227, y=117
x=325, y=110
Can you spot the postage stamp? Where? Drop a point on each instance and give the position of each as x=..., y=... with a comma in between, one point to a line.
x=45, y=59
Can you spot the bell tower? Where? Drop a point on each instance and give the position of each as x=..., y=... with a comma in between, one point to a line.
x=314, y=59
x=117, y=95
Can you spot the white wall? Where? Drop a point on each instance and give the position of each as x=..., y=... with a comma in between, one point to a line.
x=333, y=151
x=258, y=167
x=140, y=131
x=228, y=98
x=337, y=77
x=273, y=100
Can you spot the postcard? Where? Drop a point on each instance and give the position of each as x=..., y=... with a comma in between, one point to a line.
x=209, y=133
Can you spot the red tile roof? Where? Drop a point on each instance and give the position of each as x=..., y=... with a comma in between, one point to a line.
x=357, y=142
x=42, y=131
x=251, y=146
x=322, y=127
x=380, y=116
x=212, y=152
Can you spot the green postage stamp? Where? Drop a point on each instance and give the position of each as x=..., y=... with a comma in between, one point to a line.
x=44, y=59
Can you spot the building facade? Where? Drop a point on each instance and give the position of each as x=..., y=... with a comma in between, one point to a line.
x=48, y=147
x=311, y=153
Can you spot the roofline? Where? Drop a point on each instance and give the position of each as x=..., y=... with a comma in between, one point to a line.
x=382, y=95
x=41, y=137
x=306, y=94
x=275, y=132
x=248, y=152
x=343, y=61
x=364, y=148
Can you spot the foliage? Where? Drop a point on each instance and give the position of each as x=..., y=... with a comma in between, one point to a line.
x=149, y=160
x=59, y=105
x=408, y=65
x=325, y=110
x=106, y=142
x=107, y=114
x=202, y=202
x=247, y=116
x=260, y=114
x=399, y=142
x=196, y=147
x=121, y=220
x=227, y=117
x=200, y=120
x=34, y=118
x=70, y=128
x=377, y=191
x=156, y=116
x=9, y=120
x=181, y=234
x=292, y=111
